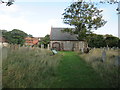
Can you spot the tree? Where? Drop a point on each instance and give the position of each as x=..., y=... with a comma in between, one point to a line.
x=15, y=36
x=29, y=35
x=45, y=41
x=3, y=32
x=9, y=3
x=84, y=17
x=104, y=2
x=96, y=41
x=111, y=41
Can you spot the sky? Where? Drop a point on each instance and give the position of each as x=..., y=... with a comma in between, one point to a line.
x=36, y=17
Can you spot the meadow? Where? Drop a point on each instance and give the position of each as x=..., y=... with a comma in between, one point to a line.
x=27, y=67
x=39, y=68
x=107, y=70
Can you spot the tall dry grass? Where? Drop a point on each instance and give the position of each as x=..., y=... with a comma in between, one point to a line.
x=28, y=68
x=107, y=70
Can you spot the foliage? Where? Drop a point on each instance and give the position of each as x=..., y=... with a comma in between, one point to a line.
x=29, y=35
x=95, y=40
x=45, y=40
x=83, y=17
x=112, y=41
x=15, y=36
x=98, y=41
x=3, y=31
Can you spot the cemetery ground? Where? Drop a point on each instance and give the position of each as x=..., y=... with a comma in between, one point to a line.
x=36, y=68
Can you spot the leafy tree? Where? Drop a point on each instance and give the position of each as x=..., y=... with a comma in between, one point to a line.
x=96, y=41
x=45, y=41
x=15, y=36
x=3, y=32
x=119, y=43
x=29, y=35
x=111, y=41
x=84, y=17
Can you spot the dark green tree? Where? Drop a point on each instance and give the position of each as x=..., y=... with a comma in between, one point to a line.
x=15, y=36
x=96, y=41
x=45, y=41
x=84, y=17
x=29, y=35
x=119, y=43
x=3, y=32
x=111, y=41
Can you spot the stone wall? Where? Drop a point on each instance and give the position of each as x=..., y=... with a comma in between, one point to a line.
x=68, y=45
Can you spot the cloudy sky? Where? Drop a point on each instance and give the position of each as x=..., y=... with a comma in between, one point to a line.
x=36, y=17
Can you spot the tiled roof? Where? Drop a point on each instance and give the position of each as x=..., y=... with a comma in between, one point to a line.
x=2, y=39
x=57, y=34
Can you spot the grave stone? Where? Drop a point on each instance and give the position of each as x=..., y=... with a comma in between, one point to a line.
x=117, y=61
x=103, y=56
x=111, y=48
x=48, y=46
x=117, y=48
x=42, y=46
x=19, y=46
x=103, y=48
x=82, y=50
x=107, y=47
x=54, y=51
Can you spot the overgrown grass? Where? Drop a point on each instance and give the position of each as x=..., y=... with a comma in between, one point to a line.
x=29, y=68
x=107, y=70
x=36, y=68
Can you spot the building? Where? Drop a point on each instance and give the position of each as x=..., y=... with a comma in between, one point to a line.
x=63, y=41
x=31, y=41
x=3, y=42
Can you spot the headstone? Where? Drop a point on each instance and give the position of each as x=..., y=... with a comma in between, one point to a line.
x=111, y=48
x=48, y=46
x=23, y=46
x=82, y=50
x=107, y=47
x=19, y=46
x=42, y=46
x=54, y=52
x=117, y=48
x=103, y=56
x=117, y=61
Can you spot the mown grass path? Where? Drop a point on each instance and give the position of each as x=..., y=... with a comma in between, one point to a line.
x=76, y=73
